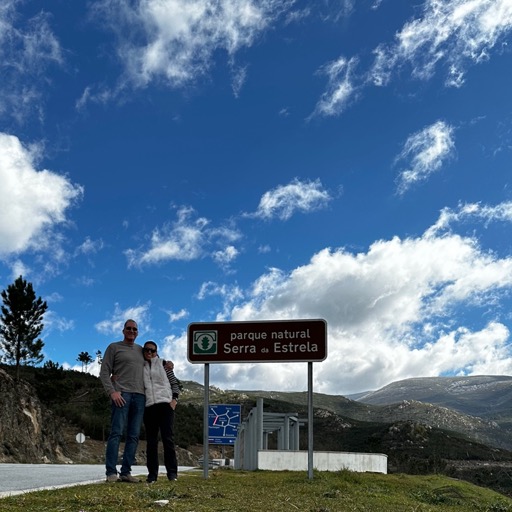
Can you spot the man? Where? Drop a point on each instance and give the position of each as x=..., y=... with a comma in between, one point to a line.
x=124, y=360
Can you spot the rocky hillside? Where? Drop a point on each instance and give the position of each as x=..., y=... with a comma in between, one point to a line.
x=29, y=432
x=488, y=397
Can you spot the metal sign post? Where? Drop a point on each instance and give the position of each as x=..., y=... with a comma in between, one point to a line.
x=80, y=439
x=206, y=462
x=310, y=421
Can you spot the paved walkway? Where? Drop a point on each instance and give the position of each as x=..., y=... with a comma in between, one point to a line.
x=21, y=478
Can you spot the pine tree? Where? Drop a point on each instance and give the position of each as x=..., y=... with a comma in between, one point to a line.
x=21, y=324
x=85, y=358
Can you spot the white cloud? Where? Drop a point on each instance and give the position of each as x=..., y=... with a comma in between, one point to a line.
x=210, y=288
x=186, y=239
x=94, y=94
x=391, y=286
x=174, y=41
x=285, y=200
x=392, y=313
x=453, y=34
x=19, y=268
x=425, y=152
x=298, y=15
x=54, y=297
x=114, y=325
x=174, y=348
x=341, y=88
x=179, y=315
x=465, y=212
x=239, y=77
x=225, y=256
x=32, y=202
x=230, y=294
x=54, y=322
x=89, y=246
x=85, y=281
x=182, y=240
x=457, y=32
x=27, y=48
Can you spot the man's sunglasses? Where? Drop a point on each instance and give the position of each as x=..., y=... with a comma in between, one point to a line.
x=131, y=329
x=150, y=350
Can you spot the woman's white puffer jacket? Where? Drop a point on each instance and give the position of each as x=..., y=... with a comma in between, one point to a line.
x=156, y=383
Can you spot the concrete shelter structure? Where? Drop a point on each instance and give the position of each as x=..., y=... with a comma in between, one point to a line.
x=251, y=447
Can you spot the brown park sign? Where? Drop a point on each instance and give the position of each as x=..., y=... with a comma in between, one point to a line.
x=262, y=341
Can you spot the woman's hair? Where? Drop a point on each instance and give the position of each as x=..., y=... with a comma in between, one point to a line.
x=152, y=343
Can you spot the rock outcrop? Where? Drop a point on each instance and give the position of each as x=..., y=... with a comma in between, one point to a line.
x=29, y=433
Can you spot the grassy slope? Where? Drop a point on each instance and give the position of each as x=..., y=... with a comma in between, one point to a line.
x=227, y=490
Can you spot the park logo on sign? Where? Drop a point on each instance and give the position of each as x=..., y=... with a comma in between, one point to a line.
x=205, y=342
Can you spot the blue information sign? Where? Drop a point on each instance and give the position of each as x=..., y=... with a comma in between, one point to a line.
x=223, y=421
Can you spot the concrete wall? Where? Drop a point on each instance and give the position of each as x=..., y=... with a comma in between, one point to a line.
x=281, y=460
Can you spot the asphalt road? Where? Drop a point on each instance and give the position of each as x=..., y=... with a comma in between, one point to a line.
x=21, y=478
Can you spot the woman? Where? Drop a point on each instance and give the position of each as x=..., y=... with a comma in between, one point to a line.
x=162, y=392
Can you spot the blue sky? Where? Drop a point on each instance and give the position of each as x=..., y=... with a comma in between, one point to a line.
x=178, y=161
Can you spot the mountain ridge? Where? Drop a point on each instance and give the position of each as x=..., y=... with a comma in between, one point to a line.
x=486, y=396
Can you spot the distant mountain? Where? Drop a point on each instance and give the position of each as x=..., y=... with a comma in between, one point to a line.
x=483, y=404
x=486, y=396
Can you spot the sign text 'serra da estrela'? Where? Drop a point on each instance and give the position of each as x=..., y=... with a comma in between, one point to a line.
x=262, y=341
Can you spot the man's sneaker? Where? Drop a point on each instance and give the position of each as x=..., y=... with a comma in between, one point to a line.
x=150, y=481
x=112, y=478
x=130, y=479
x=172, y=477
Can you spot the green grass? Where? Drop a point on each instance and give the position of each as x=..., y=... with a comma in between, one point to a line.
x=242, y=491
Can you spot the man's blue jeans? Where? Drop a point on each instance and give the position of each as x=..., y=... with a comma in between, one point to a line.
x=128, y=417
